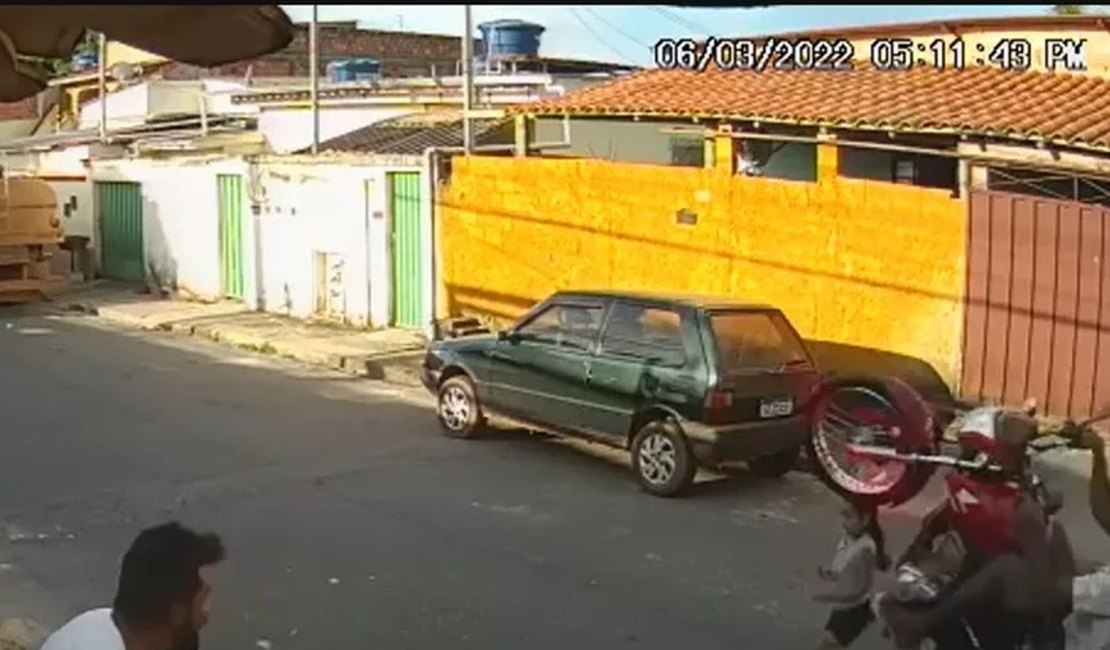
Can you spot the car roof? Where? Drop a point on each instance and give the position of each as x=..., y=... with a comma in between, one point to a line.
x=689, y=300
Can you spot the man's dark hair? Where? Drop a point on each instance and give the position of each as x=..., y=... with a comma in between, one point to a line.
x=161, y=569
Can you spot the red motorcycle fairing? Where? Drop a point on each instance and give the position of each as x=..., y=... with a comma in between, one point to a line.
x=983, y=513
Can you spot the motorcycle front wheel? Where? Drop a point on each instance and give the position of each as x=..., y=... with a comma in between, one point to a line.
x=848, y=414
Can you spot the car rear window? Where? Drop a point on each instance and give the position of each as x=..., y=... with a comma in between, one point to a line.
x=756, y=340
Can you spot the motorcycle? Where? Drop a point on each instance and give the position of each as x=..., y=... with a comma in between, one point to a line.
x=879, y=442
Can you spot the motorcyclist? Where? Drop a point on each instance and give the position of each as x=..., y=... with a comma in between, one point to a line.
x=1038, y=581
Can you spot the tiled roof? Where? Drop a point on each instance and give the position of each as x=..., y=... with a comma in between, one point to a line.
x=409, y=136
x=1059, y=108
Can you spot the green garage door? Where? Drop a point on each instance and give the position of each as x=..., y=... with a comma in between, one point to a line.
x=230, y=188
x=408, y=250
x=119, y=207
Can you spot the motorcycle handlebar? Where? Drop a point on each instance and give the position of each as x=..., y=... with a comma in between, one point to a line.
x=1102, y=415
x=1071, y=434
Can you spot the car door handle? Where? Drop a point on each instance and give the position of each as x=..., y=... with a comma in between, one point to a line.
x=589, y=372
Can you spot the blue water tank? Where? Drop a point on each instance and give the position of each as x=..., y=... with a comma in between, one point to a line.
x=347, y=70
x=510, y=38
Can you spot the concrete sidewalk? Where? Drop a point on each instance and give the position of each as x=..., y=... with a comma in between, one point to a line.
x=387, y=355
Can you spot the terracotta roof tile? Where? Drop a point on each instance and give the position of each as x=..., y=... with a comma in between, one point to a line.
x=1065, y=109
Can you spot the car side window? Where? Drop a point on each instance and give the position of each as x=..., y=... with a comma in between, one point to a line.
x=565, y=326
x=645, y=333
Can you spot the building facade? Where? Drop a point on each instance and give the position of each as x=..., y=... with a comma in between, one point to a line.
x=895, y=217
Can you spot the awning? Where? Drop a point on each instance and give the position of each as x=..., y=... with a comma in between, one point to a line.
x=202, y=35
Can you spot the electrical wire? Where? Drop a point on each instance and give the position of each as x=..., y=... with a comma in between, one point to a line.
x=681, y=20
x=599, y=38
x=616, y=28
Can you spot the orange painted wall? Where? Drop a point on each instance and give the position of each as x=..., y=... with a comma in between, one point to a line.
x=857, y=263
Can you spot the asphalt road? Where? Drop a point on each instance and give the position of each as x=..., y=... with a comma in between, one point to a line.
x=352, y=523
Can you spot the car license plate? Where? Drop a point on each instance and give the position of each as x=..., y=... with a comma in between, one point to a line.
x=776, y=408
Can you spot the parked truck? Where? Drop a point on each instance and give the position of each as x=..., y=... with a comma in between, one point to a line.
x=30, y=233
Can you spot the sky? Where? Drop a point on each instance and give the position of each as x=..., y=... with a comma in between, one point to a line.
x=625, y=33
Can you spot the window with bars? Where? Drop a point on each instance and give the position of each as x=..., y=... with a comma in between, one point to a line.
x=1051, y=185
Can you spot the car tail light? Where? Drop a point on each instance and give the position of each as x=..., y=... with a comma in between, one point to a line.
x=718, y=404
x=718, y=399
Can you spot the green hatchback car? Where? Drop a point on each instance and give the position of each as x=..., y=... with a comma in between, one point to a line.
x=678, y=381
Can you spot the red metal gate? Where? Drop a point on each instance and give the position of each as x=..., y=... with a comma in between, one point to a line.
x=1037, y=313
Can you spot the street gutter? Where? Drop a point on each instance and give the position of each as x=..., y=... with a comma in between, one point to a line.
x=400, y=366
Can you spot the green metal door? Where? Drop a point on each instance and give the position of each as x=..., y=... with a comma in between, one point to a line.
x=408, y=249
x=230, y=193
x=120, y=210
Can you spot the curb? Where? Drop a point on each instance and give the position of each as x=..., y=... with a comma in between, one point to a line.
x=401, y=367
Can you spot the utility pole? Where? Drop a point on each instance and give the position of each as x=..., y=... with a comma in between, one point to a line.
x=102, y=81
x=468, y=77
x=314, y=82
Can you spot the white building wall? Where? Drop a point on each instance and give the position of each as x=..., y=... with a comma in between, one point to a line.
x=174, y=98
x=75, y=207
x=125, y=107
x=338, y=209
x=181, y=219
x=135, y=104
x=303, y=208
x=381, y=263
x=217, y=98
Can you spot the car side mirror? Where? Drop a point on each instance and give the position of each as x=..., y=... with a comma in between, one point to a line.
x=508, y=335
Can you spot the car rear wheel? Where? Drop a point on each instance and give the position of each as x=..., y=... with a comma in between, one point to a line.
x=662, y=459
x=775, y=465
x=460, y=414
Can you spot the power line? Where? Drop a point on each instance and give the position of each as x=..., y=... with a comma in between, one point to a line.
x=617, y=28
x=679, y=19
x=599, y=38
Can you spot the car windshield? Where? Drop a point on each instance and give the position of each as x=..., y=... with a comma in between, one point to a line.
x=756, y=340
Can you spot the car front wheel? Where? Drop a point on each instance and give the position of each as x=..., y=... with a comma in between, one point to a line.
x=460, y=415
x=662, y=459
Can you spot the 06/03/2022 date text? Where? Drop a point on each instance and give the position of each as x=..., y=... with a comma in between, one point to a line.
x=752, y=55
x=886, y=54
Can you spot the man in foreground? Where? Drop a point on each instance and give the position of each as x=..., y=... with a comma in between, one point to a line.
x=162, y=601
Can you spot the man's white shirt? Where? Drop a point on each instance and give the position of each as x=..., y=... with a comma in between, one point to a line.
x=93, y=630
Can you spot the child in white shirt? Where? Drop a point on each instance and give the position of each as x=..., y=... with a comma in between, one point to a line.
x=849, y=577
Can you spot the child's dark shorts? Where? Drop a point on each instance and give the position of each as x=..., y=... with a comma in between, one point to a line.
x=845, y=625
